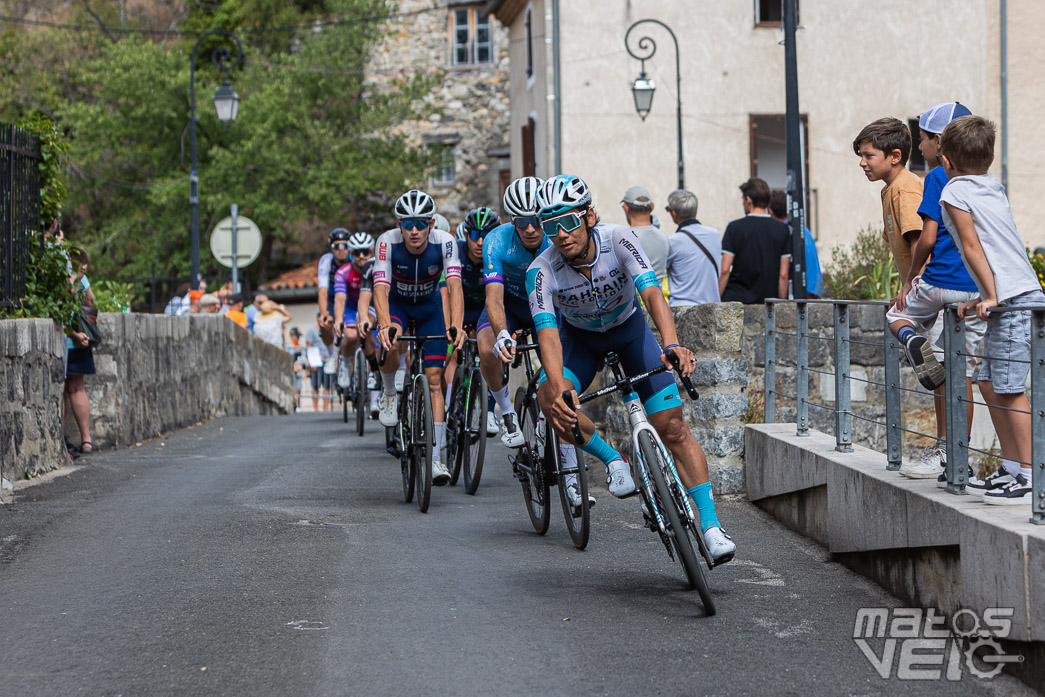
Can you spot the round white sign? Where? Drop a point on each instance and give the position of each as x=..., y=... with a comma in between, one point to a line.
x=248, y=241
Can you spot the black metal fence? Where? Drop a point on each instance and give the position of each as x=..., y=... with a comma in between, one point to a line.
x=19, y=208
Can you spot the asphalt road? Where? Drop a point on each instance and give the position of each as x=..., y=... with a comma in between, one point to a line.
x=275, y=556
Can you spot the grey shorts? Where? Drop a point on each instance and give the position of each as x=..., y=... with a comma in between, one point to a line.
x=1006, y=348
x=924, y=304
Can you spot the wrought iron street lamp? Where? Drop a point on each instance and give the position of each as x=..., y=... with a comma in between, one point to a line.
x=643, y=88
x=226, y=104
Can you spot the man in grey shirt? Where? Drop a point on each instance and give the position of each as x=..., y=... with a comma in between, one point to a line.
x=693, y=253
x=638, y=209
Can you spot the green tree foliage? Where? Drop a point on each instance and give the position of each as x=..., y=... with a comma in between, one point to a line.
x=864, y=270
x=313, y=140
x=54, y=148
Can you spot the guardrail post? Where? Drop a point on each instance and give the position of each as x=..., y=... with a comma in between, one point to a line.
x=843, y=404
x=802, y=369
x=1037, y=410
x=892, y=397
x=955, y=400
x=769, y=389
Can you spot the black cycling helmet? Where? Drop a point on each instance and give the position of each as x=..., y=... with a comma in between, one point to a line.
x=339, y=234
x=482, y=219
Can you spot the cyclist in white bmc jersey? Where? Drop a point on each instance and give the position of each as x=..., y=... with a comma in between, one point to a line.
x=591, y=275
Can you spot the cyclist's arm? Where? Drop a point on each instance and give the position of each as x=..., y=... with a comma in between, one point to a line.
x=339, y=308
x=323, y=282
x=495, y=308
x=665, y=323
x=363, y=309
x=453, y=285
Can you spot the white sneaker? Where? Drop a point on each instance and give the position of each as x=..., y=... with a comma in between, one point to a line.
x=619, y=478
x=573, y=492
x=929, y=464
x=492, y=428
x=992, y=482
x=388, y=406
x=344, y=376
x=1019, y=491
x=400, y=379
x=512, y=436
x=440, y=474
x=720, y=545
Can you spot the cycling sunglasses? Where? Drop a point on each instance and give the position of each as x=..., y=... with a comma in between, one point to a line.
x=415, y=223
x=339, y=245
x=476, y=235
x=363, y=252
x=567, y=222
x=524, y=221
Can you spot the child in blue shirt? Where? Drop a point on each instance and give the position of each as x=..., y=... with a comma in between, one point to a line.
x=927, y=291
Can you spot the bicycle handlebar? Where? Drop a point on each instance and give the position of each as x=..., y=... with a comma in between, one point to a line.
x=686, y=382
x=627, y=382
x=577, y=435
x=412, y=340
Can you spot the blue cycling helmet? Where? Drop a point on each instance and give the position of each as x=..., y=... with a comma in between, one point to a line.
x=562, y=193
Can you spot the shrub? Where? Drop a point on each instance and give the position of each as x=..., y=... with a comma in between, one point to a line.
x=864, y=270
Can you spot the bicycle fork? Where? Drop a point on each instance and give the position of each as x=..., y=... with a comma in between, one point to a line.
x=639, y=424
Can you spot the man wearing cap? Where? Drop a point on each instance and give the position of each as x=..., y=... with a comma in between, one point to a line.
x=638, y=209
x=235, y=312
x=210, y=304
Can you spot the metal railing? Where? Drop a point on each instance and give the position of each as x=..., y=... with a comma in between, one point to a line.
x=958, y=446
x=19, y=208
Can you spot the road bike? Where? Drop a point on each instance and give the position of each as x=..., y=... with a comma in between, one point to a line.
x=538, y=465
x=466, y=414
x=667, y=508
x=412, y=439
x=356, y=392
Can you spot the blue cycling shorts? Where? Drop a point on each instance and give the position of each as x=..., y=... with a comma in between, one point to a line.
x=516, y=314
x=583, y=353
x=427, y=318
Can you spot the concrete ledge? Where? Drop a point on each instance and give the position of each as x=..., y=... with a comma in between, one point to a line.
x=928, y=546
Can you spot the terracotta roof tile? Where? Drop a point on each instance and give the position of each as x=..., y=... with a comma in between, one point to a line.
x=301, y=277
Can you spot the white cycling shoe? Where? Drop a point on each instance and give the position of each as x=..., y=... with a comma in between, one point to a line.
x=492, y=427
x=440, y=474
x=619, y=478
x=720, y=545
x=400, y=379
x=344, y=376
x=573, y=492
x=512, y=436
x=387, y=407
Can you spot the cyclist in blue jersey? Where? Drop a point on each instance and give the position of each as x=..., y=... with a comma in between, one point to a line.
x=329, y=263
x=508, y=252
x=410, y=260
x=471, y=236
x=591, y=275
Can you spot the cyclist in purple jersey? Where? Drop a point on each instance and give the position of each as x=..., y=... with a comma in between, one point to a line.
x=591, y=274
x=367, y=328
x=410, y=260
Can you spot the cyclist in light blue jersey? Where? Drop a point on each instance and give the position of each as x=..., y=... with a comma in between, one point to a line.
x=591, y=275
x=508, y=252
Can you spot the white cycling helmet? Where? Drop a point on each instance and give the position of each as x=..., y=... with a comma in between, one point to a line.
x=460, y=234
x=439, y=222
x=360, y=240
x=520, y=198
x=415, y=204
x=562, y=193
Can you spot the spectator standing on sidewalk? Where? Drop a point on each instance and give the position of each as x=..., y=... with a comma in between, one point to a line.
x=638, y=209
x=252, y=311
x=235, y=310
x=756, y=251
x=80, y=359
x=177, y=304
x=296, y=350
x=694, y=252
x=814, y=276
x=269, y=323
x=321, y=380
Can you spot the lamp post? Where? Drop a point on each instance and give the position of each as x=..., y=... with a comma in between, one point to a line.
x=226, y=103
x=643, y=88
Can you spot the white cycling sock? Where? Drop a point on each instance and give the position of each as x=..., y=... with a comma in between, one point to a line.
x=1011, y=466
x=402, y=361
x=388, y=385
x=501, y=397
x=374, y=395
x=446, y=401
x=440, y=438
x=568, y=457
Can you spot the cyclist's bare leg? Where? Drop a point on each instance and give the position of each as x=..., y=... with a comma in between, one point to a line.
x=491, y=366
x=435, y=386
x=689, y=457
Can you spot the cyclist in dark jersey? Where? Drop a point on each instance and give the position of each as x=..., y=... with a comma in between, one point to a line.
x=329, y=263
x=347, y=282
x=366, y=325
x=410, y=260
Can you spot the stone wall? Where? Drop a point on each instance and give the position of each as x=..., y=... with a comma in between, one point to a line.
x=715, y=333
x=154, y=373
x=471, y=102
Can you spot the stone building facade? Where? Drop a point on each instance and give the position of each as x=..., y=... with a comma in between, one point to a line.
x=470, y=120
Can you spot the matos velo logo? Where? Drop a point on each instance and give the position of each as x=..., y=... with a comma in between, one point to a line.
x=918, y=644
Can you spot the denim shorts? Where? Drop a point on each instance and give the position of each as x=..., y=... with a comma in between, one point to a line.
x=924, y=303
x=1006, y=348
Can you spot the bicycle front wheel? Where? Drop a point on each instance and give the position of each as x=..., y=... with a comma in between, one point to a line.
x=475, y=430
x=360, y=393
x=666, y=498
x=406, y=458
x=422, y=440
x=455, y=427
x=534, y=482
x=578, y=518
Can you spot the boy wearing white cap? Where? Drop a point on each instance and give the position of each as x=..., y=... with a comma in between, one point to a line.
x=926, y=291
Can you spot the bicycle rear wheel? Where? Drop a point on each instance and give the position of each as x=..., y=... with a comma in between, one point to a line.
x=666, y=494
x=402, y=429
x=340, y=391
x=422, y=440
x=475, y=430
x=360, y=393
x=534, y=482
x=578, y=519
x=455, y=436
